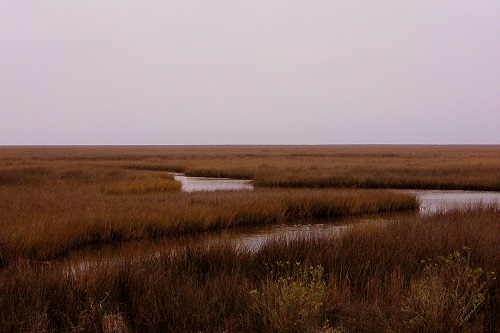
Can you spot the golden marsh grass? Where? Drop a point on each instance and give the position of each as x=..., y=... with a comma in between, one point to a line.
x=423, y=274
x=44, y=222
x=369, y=166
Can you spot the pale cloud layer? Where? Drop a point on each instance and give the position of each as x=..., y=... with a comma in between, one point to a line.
x=249, y=72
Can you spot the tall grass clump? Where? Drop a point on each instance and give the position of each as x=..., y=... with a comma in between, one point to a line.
x=287, y=303
x=448, y=293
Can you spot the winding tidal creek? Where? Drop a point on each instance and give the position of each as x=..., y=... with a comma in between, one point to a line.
x=431, y=202
x=253, y=237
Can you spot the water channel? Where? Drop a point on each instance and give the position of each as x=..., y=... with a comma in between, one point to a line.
x=194, y=184
x=431, y=202
x=253, y=237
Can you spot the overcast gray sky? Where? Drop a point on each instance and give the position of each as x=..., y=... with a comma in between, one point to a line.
x=249, y=72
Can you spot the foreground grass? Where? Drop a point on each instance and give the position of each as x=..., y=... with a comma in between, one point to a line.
x=418, y=167
x=431, y=275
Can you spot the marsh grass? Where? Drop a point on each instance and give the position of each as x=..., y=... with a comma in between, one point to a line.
x=368, y=166
x=162, y=183
x=45, y=223
x=409, y=167
x=400, y=276
x=409, y=275
x=54, y=201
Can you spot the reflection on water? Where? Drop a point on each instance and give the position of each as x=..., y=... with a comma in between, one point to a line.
x=435, y=201
x=255, y=238
x=193, y=184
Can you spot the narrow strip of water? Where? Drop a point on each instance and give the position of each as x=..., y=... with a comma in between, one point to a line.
x=195, y=184
x=253, y=237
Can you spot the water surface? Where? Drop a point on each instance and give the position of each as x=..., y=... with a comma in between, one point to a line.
x=194, y=184
x=432, y=201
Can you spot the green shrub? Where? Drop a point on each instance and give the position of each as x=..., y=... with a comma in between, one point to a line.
x=292, y=302
x=448, y=296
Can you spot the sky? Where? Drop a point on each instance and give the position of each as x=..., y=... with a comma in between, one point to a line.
x=121, y=72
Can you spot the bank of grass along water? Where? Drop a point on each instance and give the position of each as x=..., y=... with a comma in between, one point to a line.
x=46, y=229
x=433, y=274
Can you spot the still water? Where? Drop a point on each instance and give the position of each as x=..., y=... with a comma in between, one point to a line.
x=194, y=184
x=253, y=237
x=430, y=201
x=435, y=201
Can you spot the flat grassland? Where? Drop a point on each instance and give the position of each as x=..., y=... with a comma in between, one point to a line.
x=371, y=166
x=420, y=274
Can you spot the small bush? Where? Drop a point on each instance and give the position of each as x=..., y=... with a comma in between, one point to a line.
x=292, y=303
x=448, y=295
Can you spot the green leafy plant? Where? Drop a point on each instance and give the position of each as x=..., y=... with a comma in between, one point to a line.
x=448, y=295
x=292, y=302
